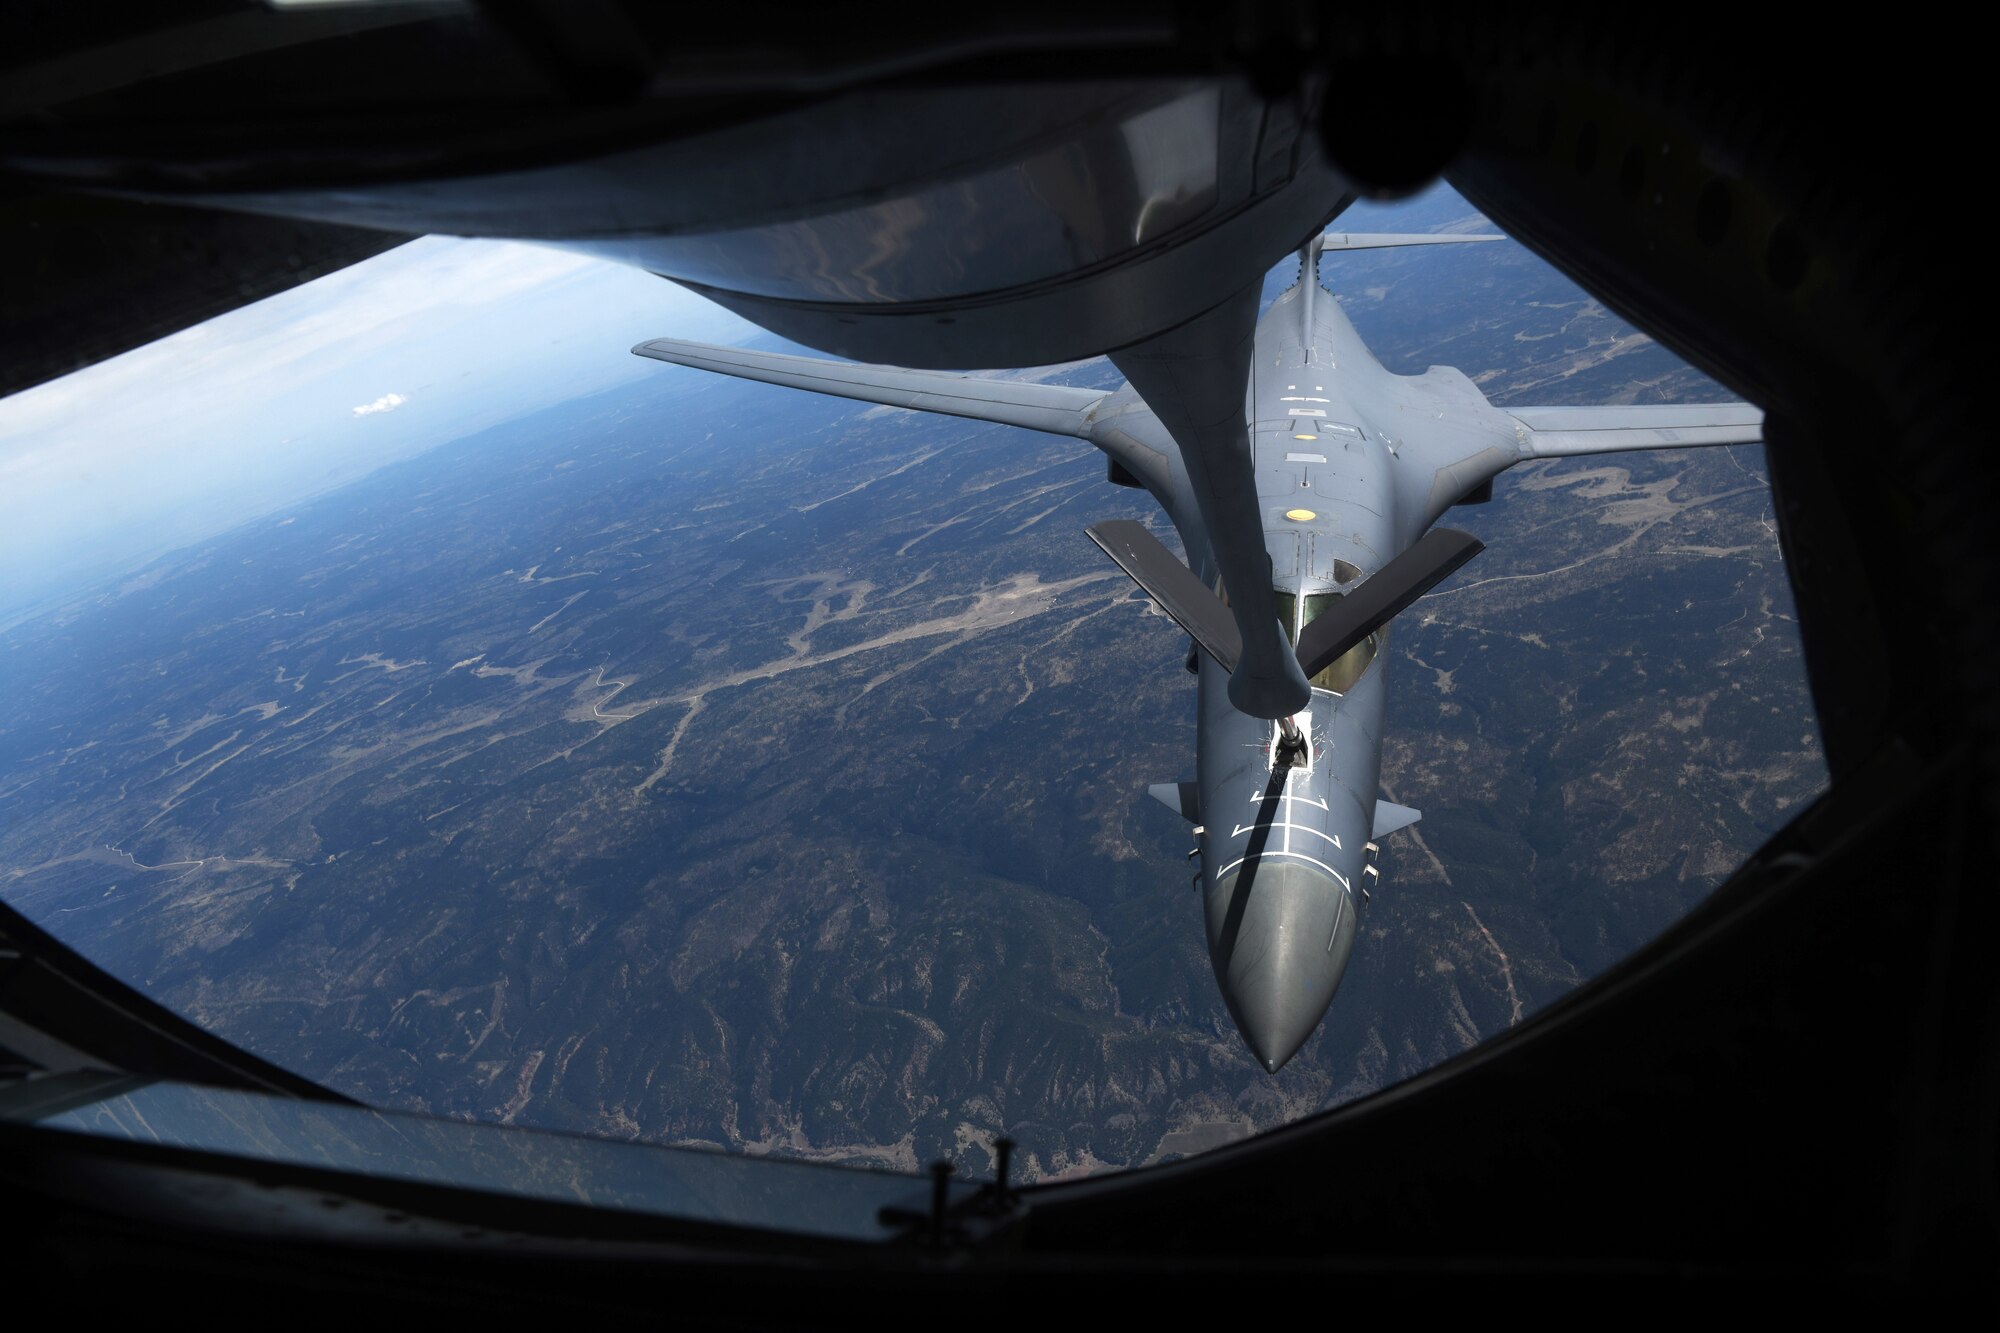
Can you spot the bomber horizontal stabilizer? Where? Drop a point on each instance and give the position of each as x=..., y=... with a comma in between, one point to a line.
x=1385, y=240
x=1172, y=586
x=1183, y=798
x=1389, y=817
x=1384, y=596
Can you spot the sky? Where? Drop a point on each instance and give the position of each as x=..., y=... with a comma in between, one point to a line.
x=307, y=390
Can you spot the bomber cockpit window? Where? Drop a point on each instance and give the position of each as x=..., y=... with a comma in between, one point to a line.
x=1351, y=665
x=1288, y=612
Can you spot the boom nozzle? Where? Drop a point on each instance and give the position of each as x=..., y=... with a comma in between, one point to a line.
x=1291, y=743
x=1267, y=681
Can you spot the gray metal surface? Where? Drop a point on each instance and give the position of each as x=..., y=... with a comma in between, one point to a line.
x=1192, y=378
x=937, y=226
x=1183, y=798
x=1389, y=817
x=1172, y=586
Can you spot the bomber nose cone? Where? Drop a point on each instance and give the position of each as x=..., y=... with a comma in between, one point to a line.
x=1276, y=1017
x=1279, y=940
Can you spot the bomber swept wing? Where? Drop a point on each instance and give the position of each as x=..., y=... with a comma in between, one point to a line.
x=1044, y=407
x=1556, y=432
x=1469, y=466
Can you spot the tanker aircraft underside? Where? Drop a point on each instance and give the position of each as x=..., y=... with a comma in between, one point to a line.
x=1303, y=479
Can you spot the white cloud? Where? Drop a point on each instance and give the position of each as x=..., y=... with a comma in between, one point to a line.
x=263, y=349
x=388, y=402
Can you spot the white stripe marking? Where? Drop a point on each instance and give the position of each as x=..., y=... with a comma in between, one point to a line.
x=1296, y=856
x=1303, y=800
x=1242, y=829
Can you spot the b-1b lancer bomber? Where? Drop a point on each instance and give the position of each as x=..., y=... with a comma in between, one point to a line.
x=1304, y=480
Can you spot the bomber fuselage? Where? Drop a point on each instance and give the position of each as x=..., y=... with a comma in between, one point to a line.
x=1285, y=841
x=1347, y=468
